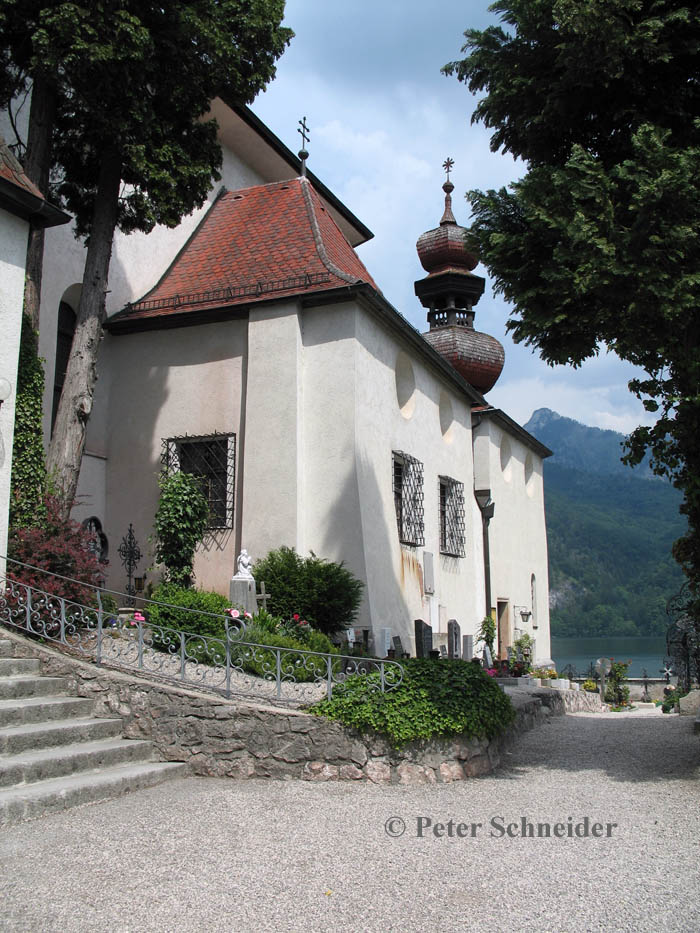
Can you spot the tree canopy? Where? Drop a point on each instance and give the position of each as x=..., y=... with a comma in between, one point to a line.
x=121, y=90
x=598, y=245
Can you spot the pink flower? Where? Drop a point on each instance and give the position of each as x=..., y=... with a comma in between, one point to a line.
x=296, y=616
x=248, y=615
x=139, y=617
x=234, y=613
x=303, y=622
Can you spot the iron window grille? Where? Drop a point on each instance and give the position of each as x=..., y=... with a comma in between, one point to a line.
x=451, y=508
x=213, y=460
x=408, y=498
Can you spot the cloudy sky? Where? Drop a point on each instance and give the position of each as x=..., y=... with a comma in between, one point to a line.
x=366, y=74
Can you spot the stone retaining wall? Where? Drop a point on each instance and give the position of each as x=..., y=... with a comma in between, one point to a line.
x=570, y=701
x=233, y=738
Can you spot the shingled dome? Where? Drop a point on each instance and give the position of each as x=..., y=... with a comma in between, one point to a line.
x=449, y=291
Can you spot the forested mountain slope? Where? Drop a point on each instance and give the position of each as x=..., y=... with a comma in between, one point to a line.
x=610, y=531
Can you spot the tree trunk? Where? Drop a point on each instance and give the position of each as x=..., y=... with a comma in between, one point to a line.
x=68, y=440
x=37, y=166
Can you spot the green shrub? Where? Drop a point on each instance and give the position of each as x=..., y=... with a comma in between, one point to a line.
x=670, y=701
x=179, y=524
x=616, y=690
x=590, y=686
x=299, y=667
x=209, y=620
x=436, y=697
x=185, y=598
x=487, y=632
x=324, y=593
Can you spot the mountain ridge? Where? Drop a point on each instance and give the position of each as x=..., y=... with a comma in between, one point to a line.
x=610, y=529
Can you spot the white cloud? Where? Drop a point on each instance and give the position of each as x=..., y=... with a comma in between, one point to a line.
x=601, y=406
x=383, y=119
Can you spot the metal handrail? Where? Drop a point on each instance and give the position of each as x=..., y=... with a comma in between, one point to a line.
x=124, y=597
x=226, y=665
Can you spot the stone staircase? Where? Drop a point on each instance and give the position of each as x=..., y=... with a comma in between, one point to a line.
x=54, y=754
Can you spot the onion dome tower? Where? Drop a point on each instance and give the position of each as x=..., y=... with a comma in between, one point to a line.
x=449, y=292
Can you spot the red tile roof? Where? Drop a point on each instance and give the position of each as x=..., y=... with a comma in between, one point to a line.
x=270, y=241
x=12, y=171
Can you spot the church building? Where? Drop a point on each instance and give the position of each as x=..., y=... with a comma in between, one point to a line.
x=252, y=347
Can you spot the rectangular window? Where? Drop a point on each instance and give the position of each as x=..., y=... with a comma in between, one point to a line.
x=408, y=498
x=451, y=509
x=213, y=459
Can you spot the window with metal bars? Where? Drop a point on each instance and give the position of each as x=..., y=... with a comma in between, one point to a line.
x=213, y=460
x=408, y=498
x=451, y=509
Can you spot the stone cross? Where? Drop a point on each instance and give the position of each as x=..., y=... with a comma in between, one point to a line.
x=262, y=597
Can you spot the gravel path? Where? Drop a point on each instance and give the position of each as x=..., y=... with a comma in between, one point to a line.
x=216, y=855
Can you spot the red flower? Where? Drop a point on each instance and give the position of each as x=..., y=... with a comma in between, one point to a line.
x=303, y=622
x=296, y=616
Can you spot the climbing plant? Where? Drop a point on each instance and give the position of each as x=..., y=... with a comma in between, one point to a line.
x=27, y=506
x=180, y=523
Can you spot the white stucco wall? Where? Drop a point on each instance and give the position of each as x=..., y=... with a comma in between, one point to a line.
x=13, y=251
x=517, y=531
x=272, y=506
x=163, y=384
x=351, y=423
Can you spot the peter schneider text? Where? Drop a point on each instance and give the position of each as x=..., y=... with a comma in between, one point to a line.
x=502, y=827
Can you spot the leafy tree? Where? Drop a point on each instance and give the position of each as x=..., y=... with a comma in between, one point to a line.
x=599, y=243
x=129, y=82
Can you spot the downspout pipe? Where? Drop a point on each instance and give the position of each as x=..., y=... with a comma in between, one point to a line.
x=487, y=507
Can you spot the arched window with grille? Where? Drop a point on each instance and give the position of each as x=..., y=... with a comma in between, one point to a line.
x=64, y=341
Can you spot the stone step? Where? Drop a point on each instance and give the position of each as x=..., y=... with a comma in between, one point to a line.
x=42, y=709
x=34, y=800
x=16, y=739
x=10, y=666
x=27, y=686
x=6, y=648
x=46, y=763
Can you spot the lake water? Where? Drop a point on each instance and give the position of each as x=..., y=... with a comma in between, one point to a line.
x=643, y=653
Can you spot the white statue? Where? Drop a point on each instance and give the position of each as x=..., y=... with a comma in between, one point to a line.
x=245, y=564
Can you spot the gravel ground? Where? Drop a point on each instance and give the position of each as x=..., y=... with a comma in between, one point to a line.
x=203, y=854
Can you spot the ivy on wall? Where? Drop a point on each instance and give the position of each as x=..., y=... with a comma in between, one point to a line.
x=28, y=463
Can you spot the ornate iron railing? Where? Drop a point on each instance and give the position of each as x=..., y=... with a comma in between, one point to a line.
x=225, y=664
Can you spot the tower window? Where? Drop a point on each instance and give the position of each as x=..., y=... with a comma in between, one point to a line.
x=451, y=510
x=408, y=498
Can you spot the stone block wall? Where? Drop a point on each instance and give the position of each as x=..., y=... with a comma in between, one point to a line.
x=234, y=738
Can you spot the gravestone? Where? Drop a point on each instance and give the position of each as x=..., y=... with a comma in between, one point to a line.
x=603, y=666
x=453, y=639
x=443, y=651
x=424, y=639
x=386, y=641
x=689, y=705
x=487, y=656
x=467, y=647
x=398, y=647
